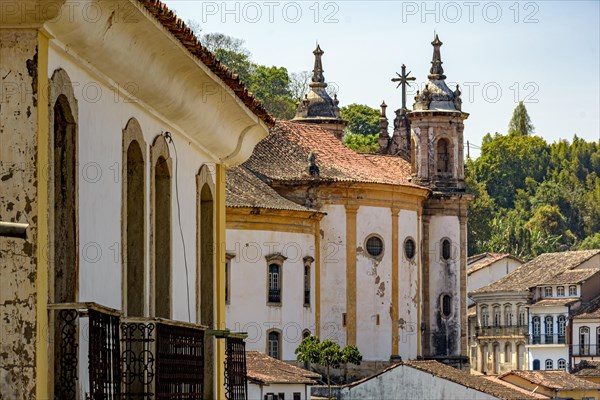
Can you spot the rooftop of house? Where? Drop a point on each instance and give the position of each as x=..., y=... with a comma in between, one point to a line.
x=555, y=302
x=589, y=310
x=444, y=371
x=587, y=369
x=480, y=261
x=544, y=268
x=510, y=385
x=188, y=39
x=555, y=380
x=293, y=147
x=245, y=189
x=571, y=276
x=264, y=369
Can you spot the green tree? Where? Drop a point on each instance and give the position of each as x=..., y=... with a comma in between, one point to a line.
x=590, y=243
x=327, y=354
x=362, y=143
x=271, y=86
x=362, y=119
x=520, y=123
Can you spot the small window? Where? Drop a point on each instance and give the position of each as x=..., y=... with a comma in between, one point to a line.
x=549, y=364
x=548, y=291
x=273, y=345
x=297, y=396
x=536, y=365
x=497, y=316
x=572, y=290
x=274, y=283
x=562, y=364
x=446, y=250
x=307, y=285
x=522, y=316
x=227, y=281
x=374, y=246
x=305, y=334
x=485, y=316
x=409, y=249
x=446, y=305
x=343, y=319
x=560, y=291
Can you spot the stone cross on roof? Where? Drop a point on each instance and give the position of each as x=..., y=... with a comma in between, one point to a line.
x=403, y=79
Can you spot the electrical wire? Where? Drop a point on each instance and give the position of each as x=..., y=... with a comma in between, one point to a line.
x=187, y=277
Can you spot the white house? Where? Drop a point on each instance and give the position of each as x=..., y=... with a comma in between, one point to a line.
x=486, y=268
x=117, y=128
x=327, y=241
x=585, y=333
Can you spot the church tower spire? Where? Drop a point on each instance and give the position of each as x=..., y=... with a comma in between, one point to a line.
x=317, y=107
x=436, y=73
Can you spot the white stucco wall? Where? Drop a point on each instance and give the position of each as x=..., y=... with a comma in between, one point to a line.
x=248, y=310
x=542, y=351
x=404, y=382
x=258, y=392
x=490, y=274
x=103, y=114
x=374, y=284
x=333, y=273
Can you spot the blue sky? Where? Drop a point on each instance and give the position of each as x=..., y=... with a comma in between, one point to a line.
x=545, y=53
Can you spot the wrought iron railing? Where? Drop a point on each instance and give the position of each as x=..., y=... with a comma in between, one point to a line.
x=274, y=295
x=547, y=339
x=585, y=350
x=513, y=330
x=236, y=385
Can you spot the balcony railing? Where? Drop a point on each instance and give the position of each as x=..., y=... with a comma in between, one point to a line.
x=137, y=358
x=585, y=350
x=547, y=339
x=274, y=295
x=501, y=330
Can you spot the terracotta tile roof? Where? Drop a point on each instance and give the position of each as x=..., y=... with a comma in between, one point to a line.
x=480, y=261
x=188, y=39
x=510, y=385
x=557, y=380
x=264, y=369
x=471, y=381
x=555, y=302
x=244, y=189
x=589, y=310
x=572, y=276
x=588, y=368
x=540, y=269
x=283, y=156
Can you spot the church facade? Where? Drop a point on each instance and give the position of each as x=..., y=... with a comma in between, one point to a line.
x=365, y=249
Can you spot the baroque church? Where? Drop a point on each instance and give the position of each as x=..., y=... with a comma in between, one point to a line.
x=364, y=249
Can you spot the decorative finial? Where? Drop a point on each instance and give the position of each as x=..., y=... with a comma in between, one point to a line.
x=318, y=70
x=436, y=72
x=313, y=168
x=383, y=108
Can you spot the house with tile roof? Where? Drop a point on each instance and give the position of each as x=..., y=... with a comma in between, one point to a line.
x=365, y=249
x=425, y=380
x=528, y=310
x=117, y=128
x=585, y=338
x=554, y=384
x=272, y=379
x=588, y=370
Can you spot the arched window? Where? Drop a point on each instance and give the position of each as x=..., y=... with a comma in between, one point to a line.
x=562, y=364
x=497, y=316
x=549, y=364
x=446, y=253
x=548, y=291
x=413, y=156
x=572, y=290
x=598, y=341
x=507, y=352
x=549, y=329
x=560, y=291
x=536, y=329
x=443, y=156
x=522, y=316
x=410, y=249
x=162, y=238
x=307, y=262
x=584, y=340
x=485, y=316
x=446, y=305
x=536, y=365
x=561, y=321
x=508, y=315
x=274, y=344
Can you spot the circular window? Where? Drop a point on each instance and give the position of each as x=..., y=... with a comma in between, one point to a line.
x=409, y=248
x=374, y=246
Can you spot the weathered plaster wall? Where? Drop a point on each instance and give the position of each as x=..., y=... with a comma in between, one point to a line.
x=374, y=284
x=491, y=274
x=18, y=203
x=444, y=278
x=258, y=392
x=333, y=273
x=248, y=310
x=408, y=287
